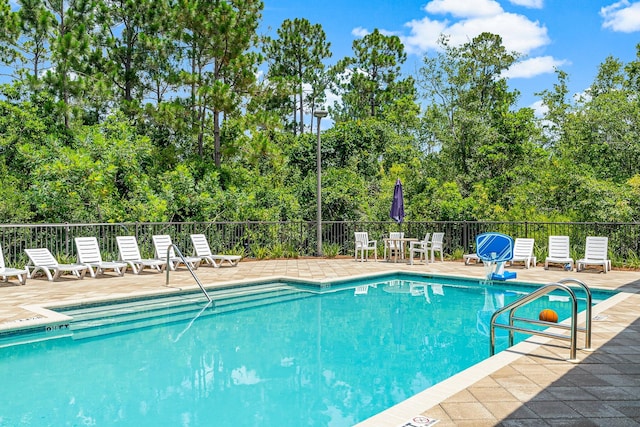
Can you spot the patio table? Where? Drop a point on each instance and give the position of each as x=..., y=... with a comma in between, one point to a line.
x=399, y=242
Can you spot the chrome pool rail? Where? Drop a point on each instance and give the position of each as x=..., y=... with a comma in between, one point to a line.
x=193, y=273
x=573, y=326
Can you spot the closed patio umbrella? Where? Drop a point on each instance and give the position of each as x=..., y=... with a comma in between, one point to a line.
x=397, y=205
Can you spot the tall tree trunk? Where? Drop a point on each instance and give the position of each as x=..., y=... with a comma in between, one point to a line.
x=216, y=139
x=295, y=119
x=301, y=110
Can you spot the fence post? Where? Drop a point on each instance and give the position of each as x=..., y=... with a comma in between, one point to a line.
x=66, y=238
x=465, y=237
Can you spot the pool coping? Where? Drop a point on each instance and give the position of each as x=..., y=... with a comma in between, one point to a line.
x=45, y=314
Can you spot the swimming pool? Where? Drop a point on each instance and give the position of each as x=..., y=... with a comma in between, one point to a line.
x=277, y=354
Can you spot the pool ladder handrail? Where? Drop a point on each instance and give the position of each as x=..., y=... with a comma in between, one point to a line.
x=193, y=273
x=573, y=327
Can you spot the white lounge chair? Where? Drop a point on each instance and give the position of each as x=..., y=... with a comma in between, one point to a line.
x=394, y=246
x=595, y=253
x=162, y=243
x=421, y=247
x=41, y=259
x=559, y=252
x=523, y=252
x=437, y=245
x=6, y=272
x=364, y=245
x=471, y=257
x=130, y=253
x=89, y=255
x=202, y=249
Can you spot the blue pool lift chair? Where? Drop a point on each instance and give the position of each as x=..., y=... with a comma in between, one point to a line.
x=495, y=248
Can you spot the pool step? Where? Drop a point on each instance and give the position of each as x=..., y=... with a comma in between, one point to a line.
x=94, y=321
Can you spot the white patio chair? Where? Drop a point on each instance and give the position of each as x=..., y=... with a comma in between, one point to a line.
x=559, y=252
x=523, y=252
x=420, y=247
x=41, y=259
x=6, y=272
x=130, y=253
x=162, y=243
x=437, y=245
x=364, y=245
x=89, y=255
x=595, y=253
x=395, y=246
x=203, y=250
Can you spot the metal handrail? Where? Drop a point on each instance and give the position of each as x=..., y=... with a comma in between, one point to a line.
x=588, y=310
x=188, y=267
x=535, y=295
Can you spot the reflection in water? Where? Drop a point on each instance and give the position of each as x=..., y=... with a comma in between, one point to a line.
x=493, y=300
x=209, y=304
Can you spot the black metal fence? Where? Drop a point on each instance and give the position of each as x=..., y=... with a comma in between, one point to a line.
x=299, y=238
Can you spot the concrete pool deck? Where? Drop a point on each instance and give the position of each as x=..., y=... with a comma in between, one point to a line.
x=528, y=385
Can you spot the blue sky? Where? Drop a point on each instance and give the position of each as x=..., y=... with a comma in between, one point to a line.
x=573, y=35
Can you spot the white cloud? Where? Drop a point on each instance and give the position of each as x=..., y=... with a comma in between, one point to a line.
x=622, y=16
x=539, y=108
x=332, y=98
x=470, y=19
x=583, y=96
x=533, y=67
x=360, y=32
x=533, y=4
x=424, y=35
x=464, y=9
x=518, y=33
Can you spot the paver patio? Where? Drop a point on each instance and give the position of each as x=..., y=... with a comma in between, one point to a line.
x=529, y=384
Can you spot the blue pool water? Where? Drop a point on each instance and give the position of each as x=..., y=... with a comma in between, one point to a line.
x=286, y=355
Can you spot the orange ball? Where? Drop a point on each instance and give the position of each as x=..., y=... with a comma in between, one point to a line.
x=548, y=315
